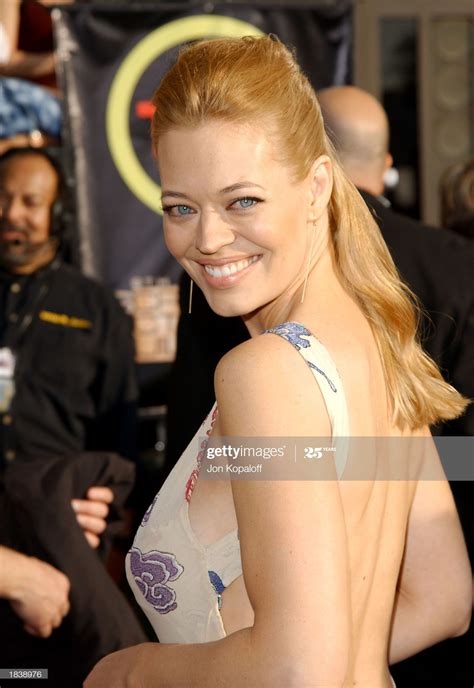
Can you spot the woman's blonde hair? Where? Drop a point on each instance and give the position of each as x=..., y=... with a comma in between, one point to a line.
x=257, y=80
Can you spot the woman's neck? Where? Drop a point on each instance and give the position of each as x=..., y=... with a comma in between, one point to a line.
x=322, y=287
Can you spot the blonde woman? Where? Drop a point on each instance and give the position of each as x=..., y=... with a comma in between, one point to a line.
x=288, y=583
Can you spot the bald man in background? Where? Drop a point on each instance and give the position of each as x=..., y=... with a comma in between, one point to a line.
x=358, y=126
x=437, y=264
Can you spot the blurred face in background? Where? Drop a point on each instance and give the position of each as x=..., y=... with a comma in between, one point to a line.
x=28, y=189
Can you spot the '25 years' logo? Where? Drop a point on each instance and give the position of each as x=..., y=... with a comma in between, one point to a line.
x=316, y=452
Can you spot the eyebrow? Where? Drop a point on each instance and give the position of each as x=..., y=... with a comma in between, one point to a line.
x=30, y=195
x=177, y=194
x=225, y=190
x=239, y=185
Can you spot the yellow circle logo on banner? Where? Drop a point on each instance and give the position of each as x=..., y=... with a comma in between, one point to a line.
x=125, y=82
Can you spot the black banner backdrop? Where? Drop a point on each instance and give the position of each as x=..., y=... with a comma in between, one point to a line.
x=111, y=61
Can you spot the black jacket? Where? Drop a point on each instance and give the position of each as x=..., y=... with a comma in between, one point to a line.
x=75, y=375
x=36, y=518
x=438, y=265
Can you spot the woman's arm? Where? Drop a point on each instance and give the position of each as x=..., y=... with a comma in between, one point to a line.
x=434, y=596
x=292, y=533
x=293, y=544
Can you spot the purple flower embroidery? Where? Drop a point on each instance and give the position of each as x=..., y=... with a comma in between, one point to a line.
x=147, y=514
x=151, y=571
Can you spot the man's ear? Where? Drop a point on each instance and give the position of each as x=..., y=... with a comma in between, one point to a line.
x=388, y=162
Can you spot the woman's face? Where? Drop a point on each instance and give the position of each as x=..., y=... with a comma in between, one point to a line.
x=234, y=217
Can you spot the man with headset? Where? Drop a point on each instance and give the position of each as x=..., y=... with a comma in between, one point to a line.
x=67, y=392
x=67, y=352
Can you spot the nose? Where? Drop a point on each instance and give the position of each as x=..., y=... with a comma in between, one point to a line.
x=213, y=233
x=12, y=210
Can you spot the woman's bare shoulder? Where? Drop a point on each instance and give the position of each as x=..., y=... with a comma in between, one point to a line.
x=265, y=378
x=263, y=350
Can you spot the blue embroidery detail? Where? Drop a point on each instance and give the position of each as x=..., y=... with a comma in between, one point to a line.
x=147, y=515
x=216, y=581
x=294, y=333
x=330, y=382
x=218, y=586
x=291, y=332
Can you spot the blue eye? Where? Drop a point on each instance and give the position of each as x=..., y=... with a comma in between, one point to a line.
x=178, y=210
x=246, y=202
x=183, y=209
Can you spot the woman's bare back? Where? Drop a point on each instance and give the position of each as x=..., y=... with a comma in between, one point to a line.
x=376, y=513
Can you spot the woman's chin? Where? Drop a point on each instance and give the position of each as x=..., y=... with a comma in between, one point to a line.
x=227, y=309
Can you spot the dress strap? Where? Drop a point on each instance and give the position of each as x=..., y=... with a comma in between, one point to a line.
x=326, y=375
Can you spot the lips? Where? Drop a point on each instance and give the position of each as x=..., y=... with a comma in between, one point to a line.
x=12, y=234
x=229, y=268
x=225, y=273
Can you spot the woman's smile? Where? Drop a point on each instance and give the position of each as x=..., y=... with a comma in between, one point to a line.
x=226, y=273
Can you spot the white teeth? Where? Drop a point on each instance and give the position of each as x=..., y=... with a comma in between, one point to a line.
x=230, y=268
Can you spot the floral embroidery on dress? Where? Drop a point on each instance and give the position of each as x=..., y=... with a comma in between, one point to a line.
x=191, y=482
x=218, y=586
x=151, y=571
x=294, y=333
x=147, y=513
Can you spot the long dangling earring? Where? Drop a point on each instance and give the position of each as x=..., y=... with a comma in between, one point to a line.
x=308, y=262
x=190, y=302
